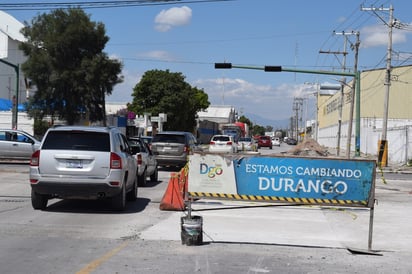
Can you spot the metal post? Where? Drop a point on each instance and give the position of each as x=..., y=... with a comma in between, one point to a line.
x=15, y=108
x=356, y=86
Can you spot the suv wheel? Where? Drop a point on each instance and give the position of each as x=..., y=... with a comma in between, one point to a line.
x=142, y=179
x=132, y=194
x=119, y=201
x=38, y=201
x=154, y=177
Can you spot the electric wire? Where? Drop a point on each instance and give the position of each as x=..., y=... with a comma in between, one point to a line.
x=97, y=4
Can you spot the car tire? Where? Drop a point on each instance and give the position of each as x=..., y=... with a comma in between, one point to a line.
x=119, y=201
x=38, y=201
x=142, y=179
x=155, y=176
x=270, y=147
x=132, y=194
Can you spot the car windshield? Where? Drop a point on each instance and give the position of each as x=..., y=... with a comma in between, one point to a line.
x=244, y=139
x=77, y=140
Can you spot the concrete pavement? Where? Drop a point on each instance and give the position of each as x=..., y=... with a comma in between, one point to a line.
x=309, y=226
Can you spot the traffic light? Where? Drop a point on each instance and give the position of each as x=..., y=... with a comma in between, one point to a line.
x=273, y=68
x=223, y=65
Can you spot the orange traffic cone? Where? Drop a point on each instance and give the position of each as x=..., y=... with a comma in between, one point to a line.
x=173, y=197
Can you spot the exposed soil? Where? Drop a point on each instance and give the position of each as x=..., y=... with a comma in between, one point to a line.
x=309, y=147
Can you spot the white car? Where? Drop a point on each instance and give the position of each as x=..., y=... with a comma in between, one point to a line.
x=276, y=141
x=17, y=144
x=146, y=161
x=222, y=144
x=246, y=144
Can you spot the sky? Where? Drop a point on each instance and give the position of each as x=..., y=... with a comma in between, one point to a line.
x=191, y=36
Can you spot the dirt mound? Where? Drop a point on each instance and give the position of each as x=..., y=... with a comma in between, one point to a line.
x=309, y=147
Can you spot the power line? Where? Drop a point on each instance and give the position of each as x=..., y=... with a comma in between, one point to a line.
x=98, y=4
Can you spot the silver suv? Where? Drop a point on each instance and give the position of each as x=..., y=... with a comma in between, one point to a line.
x=171, y=148
x=76, y=162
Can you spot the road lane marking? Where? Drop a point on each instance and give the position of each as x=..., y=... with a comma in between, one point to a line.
x=96, y=263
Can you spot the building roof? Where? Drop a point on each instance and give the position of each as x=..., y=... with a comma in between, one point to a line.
x=219, y=114
x=11, y=27
x=217, y=111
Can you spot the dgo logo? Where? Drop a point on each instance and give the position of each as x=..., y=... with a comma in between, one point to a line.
x=211, y=171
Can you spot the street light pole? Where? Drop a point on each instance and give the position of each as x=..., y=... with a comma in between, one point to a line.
x=15, y=99
x=356, y=83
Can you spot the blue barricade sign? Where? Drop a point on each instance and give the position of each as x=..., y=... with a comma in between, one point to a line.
x=297, y=180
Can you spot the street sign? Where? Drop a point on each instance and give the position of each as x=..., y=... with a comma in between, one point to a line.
x=297, y=180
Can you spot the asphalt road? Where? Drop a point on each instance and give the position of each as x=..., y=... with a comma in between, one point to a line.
x=87, y=237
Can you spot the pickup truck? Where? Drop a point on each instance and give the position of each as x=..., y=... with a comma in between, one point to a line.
x=146, y=161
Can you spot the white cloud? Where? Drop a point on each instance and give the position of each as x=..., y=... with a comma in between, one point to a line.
x=173, y=17
x=122, y=93
x=158, y=55
x=377, y=35
x=269, y=102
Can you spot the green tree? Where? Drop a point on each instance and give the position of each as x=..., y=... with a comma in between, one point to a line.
x=258, y=130
x=67, y=65
x=269, y=128
x=245, y=120
x=162, y=91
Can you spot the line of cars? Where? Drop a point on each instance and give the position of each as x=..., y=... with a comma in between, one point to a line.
x=226, y=143
x=81, y=162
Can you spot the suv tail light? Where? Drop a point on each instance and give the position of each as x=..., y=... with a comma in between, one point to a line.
x=35, y=158
x=212, y=143
x=139, y=159
x=186, y=149
x=229, y=143
x=115, y=161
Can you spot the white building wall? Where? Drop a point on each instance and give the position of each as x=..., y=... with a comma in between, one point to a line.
x=23, y=122
x=399, y=136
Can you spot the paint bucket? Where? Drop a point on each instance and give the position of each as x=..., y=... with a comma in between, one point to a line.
x=192, y=232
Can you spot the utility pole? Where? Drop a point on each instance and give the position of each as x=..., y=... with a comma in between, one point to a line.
x=297, y=106
x=383, y=143
x=355, y=91
x=343, y=83
x=344, y=53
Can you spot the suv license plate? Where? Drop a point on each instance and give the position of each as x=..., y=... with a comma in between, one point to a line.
x=74, y=164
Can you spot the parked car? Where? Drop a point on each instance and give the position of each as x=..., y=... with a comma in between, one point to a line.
x=291, y=141
x=78, y=162
x=247, y=144
x=276, y=141
x=17, y=144
x=222, y=144
x=265, y=141
x=172, y=148
x=146, y=161
x=147, y=139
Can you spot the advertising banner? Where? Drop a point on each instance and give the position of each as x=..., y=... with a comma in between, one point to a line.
x=321, y=181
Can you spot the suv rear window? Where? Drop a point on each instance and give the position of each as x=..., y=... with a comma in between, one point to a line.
x=77, y=140
x=221, y=138
x=169, y=138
